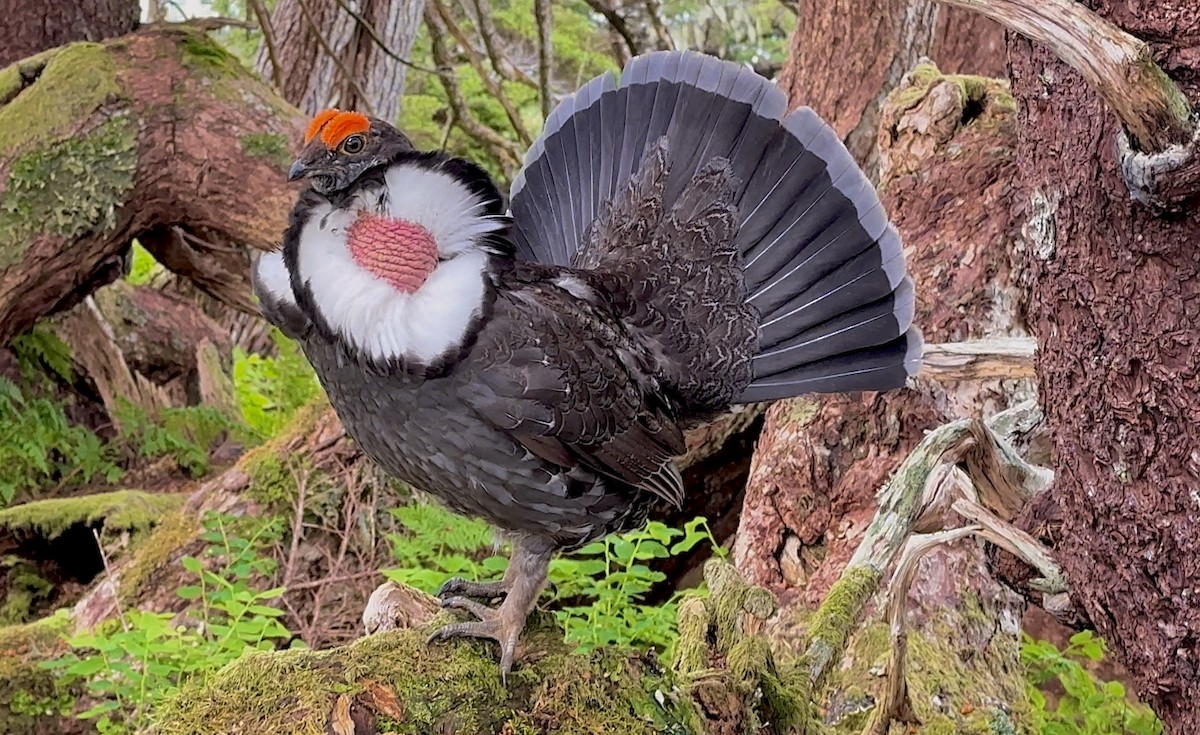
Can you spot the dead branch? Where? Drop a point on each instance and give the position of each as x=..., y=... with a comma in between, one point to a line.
x=660, y=28
x=902, y=504
x=487, y=32
x=544, y=17
x=894, y=705
x=504, y=149
x=618, y=24
x=476, y=60
x=987, y=359
x=1120, y=67
x=1160, y=145
x=378, y=40
x=268, y=31
x=349, y=76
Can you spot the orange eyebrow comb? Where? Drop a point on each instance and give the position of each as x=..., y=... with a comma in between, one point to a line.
x=334, y=126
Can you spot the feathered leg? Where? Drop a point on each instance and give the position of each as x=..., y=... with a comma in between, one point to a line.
x=523, y=582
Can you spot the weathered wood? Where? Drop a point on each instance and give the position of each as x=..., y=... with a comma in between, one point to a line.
x=1120, y=67
x=990, y=359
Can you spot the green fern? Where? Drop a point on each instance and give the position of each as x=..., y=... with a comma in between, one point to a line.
x=269, y=390
x=41, y=348
x=597, y=592
x=39, y=446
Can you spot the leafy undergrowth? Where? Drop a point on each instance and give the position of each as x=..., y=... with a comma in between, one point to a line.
x=129, y=665
x=596, y=592
x=43, y=449
x=1087, y=706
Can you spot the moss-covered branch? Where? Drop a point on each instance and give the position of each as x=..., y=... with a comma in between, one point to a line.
x=141, y=136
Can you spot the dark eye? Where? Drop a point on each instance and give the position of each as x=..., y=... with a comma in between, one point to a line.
x=353, y=144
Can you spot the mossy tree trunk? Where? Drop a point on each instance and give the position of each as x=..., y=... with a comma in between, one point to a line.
x=1116, y=292
x=847, y=55
x=947, y=167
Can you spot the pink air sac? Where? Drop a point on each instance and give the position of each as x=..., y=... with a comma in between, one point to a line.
x=400, y=252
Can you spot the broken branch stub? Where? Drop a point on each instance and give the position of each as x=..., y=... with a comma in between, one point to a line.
x=1159, y=149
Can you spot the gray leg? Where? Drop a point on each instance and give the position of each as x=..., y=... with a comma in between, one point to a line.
x=525, y=579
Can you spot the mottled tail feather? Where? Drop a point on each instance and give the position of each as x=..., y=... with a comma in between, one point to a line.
x=822, y=266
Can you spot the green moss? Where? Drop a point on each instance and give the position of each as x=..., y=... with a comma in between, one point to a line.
x=202, y=54
x=272, y=475
x=75, y=82
x=120, y=510
x=982, y=90
x=691, y=649
x=801, y=411
x=271, y=146
x=835, y=620
x=31, y=699
x=453, y=687
x=68, y=187
x=953, y=683
x=156, y=549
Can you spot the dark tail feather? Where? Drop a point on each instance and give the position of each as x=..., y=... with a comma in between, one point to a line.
x=822, y=265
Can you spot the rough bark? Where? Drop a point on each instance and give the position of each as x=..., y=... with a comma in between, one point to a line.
x=847, y=56
x=945, y=145
x=1116, y=296
x=100, y=143
x=32, y=27
x=363, y=76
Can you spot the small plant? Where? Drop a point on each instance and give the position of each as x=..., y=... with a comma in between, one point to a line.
x=144, y=266
x=39, y=446
x=270, y=389
x=611, y=576
x=128, y=666
x=1088, y=706
x=185, y=434
x=597, y=590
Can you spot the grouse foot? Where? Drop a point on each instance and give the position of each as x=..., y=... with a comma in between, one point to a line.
x=490, y=626
x=524, y=580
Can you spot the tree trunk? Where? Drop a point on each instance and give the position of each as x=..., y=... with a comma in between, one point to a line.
x=946, y=163
x=32, y=27
x=846, y=56
x=1116, y=294
x=363, y=76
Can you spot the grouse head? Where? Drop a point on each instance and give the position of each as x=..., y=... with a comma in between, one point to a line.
x=390, y=251
x=339, y=147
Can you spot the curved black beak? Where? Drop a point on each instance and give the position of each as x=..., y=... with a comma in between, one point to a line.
x=298, y=170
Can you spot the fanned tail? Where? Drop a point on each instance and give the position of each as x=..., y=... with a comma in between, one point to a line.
x=822, y=266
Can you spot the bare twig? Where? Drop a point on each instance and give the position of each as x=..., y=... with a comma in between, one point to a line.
x=268, y=31
x=1120, y=67
x=364, y=99
x=665, y=42
x=987, y=359
x=289, y=569
x=110, y=579
x=544, y=17
x=618, y=24
x=894, y=704
x=504, y=149
x=475, y=58
x=487, y=32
